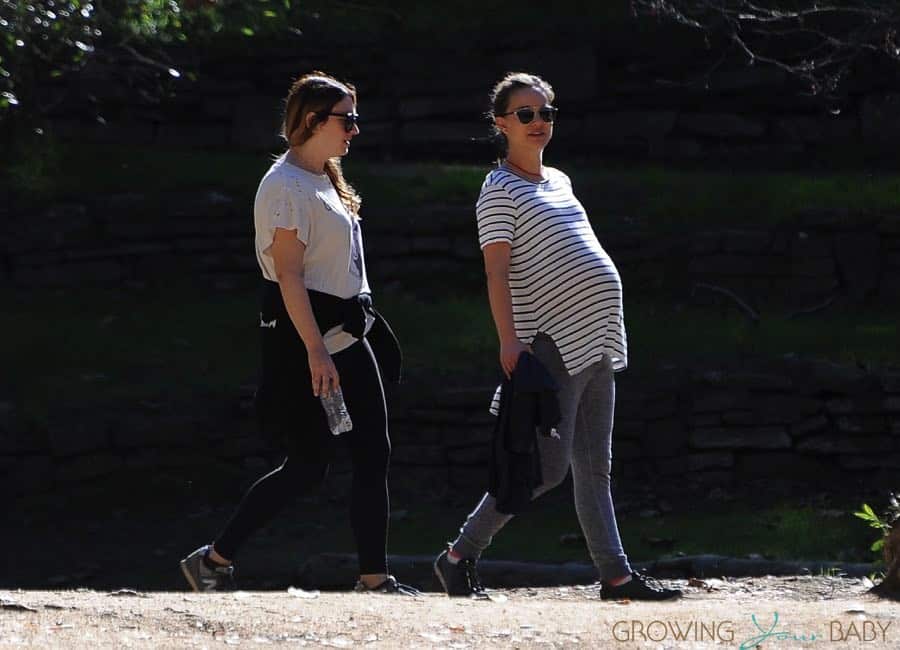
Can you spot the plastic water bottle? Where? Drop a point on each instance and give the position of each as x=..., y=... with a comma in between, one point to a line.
x=336, y=411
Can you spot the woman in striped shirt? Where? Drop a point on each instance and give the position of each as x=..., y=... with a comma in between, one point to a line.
x=556, y=293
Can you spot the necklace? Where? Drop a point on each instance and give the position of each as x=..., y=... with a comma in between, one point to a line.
x=529, y=175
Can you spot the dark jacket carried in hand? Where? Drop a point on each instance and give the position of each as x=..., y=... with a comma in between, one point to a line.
x=528, y=406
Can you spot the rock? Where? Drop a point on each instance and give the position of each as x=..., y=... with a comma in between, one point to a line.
x=627, y=450
x=741, y=438
x=627, y=428
x=78, y=434
x=713, y=419
x=470, y=479
x=891, y=382
x=743, y=266
x=256, y=123
x=779, y=409
x=84, y=468
x=141, y=459
x=828, y=377
x=418, y=107
x=26, y=475
x=720, y=125
x=664, y=437
x=783, y=465
x=858, y=256
x=746, y=241
x=735, y=418
x=809, y=425
x=758, y=381
x=862, y=424
x=869, y=462
x=880, y=121
x=659, y=406
x=572, y=68
x=417, y=134
x=419, y=455
x=704, y=243
x=818, y=130
x=695, y=462
x=241, y=447
x=15, y=440
x=834, y=444
x=192, y=135
x=646, y=128
x=720, y=400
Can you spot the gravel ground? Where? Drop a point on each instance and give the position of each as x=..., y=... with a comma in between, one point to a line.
x=812, y=611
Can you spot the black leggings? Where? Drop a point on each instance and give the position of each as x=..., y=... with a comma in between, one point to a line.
x=310, y=447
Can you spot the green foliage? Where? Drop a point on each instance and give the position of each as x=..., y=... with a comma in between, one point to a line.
x=34, y=163
x=882, y=523
x=41, y=40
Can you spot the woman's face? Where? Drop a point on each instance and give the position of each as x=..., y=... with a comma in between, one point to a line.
x=534, y=135
x=332, y=133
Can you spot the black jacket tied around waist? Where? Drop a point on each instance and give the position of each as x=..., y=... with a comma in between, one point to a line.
x=330, y=310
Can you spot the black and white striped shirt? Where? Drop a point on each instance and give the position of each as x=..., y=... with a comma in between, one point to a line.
x=561, y=280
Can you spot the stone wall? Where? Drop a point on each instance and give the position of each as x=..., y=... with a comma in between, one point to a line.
x=793, y=421
x=624, y=91
x=133, y=238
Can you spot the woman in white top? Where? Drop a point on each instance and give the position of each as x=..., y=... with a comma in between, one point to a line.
x=554, y=292
x=315, y=321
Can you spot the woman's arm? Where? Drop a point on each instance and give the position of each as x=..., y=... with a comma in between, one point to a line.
x=496, y=267
x=287, y=252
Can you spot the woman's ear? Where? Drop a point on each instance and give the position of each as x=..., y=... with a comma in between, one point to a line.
x=500, y=123
x=309, y=119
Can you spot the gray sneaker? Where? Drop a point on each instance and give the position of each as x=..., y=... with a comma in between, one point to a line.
x=460, y=579
x=203, y=578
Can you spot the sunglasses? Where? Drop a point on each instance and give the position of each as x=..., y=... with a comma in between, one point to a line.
x=526, y=115
x=350, y=119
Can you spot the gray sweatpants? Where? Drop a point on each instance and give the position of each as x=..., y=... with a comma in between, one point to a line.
x=587, y=403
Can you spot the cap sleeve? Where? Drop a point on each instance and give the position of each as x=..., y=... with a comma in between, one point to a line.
x=495, y=211
x=280, y=205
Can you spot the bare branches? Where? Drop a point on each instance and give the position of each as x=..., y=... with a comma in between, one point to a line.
x=816, y=43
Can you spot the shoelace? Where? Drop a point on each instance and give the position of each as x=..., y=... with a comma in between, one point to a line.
x=392, y=586
x=649, y=581
x=471, y=573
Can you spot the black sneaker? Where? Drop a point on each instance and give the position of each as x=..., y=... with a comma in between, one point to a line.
x=389, y=586
x=203, y=578
x=460, y=579
x=638, y=588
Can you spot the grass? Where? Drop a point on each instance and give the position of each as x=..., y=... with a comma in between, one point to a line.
x=651, y=197
x=668, y=199
x=778, y=531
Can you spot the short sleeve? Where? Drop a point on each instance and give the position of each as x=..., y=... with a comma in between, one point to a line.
x=495, y=211
x=281, y=206
x=565, y=177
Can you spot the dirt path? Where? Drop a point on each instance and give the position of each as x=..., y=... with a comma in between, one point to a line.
x=811, y=612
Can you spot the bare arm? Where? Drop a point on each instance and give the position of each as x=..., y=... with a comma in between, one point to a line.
x=287, y=252
x=496, y=267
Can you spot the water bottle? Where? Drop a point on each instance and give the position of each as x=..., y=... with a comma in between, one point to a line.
x=336, y=411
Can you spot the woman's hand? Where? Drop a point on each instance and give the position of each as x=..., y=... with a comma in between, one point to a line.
x=323, y=372
x=509, y=354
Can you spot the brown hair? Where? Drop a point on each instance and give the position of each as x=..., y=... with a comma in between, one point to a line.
x=499, y=98
x=317, y=93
